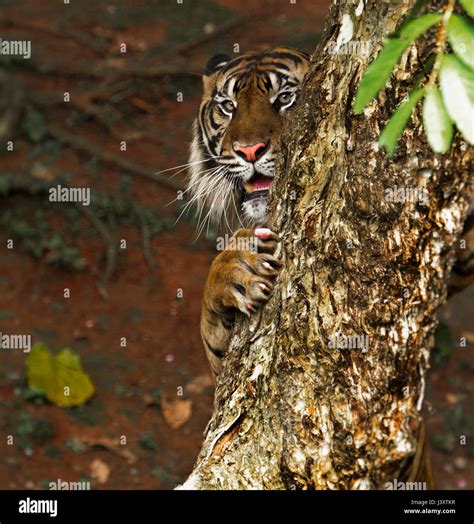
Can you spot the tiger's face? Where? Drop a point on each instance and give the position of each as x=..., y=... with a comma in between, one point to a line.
x=236, y=135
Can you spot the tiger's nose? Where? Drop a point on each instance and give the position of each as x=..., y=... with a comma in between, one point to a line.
x=250, y=153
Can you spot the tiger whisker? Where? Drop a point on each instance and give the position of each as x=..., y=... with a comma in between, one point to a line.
x=180, y=166
x=220, y=187
x=236, y=212
x=188, y=164
x=203, y=192
x=226, y=188
x=217, y=188
x=202, y=198
x=191, y=185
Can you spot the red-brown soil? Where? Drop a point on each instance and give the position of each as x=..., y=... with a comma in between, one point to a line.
x=163, y=352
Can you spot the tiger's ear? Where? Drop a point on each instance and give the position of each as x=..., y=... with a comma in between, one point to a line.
x=215, y=63
x=213, y=66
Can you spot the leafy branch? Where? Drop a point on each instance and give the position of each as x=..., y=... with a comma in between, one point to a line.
x=449, y=90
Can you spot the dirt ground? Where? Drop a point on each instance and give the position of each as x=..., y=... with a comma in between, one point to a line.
x=143, y=428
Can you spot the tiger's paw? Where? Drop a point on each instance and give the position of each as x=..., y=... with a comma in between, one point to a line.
x=242, y=279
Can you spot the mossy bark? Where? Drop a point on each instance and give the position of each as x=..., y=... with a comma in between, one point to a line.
x=294, y=408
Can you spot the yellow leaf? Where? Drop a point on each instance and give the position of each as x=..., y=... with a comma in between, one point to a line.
x=61, y=378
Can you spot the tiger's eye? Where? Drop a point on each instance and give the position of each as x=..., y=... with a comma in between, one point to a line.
x=227, y=106
x=284, y=98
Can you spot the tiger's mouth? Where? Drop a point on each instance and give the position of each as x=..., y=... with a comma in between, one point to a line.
x=256, y=187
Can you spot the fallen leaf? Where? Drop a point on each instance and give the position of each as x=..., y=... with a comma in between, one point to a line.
x=143, y=104
x=453, y=399
x=460, y=463
x=148, y=399
x=42, y=172
x=199, y=384
x=177, y=411
x=469, y=336
x=116, y=63
x=100, y=471
x=110, y=444
x=60, y=378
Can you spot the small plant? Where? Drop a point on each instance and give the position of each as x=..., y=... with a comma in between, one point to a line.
x=30, y=430
x=448, y=92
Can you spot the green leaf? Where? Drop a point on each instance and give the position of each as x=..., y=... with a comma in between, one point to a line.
x=60, y=378
x=468, y=7
x=461, y=38
x=398, y=121
x=378, y=73
x=438, y=126
x=457, y=88
x=419, y=4
x=412, y=29
x=380, y=69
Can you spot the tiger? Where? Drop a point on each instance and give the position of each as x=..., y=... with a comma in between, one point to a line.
x=232, y=164
x=236, y=139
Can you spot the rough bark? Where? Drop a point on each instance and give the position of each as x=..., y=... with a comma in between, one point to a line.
x=290, y=411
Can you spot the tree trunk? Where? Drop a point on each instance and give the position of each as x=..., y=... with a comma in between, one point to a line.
x=324, y=388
